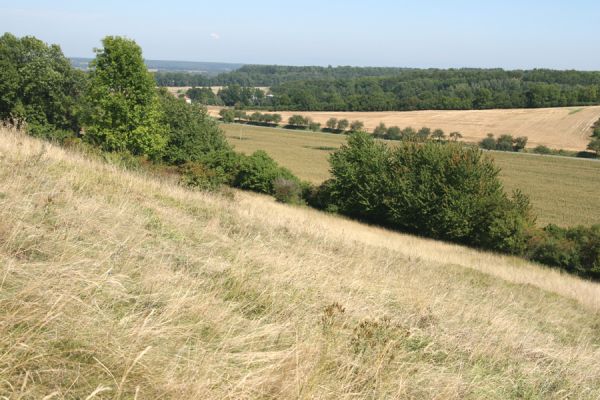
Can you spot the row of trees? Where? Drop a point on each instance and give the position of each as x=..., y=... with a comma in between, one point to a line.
x=274, y=75
x=503, y=143
x=230, y=115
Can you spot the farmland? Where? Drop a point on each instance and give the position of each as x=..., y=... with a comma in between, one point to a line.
x=563, y=190
x=565, y=128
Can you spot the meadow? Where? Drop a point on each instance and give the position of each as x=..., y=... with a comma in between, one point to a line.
x=117, y=284
x=563, y=190
x=565, y=128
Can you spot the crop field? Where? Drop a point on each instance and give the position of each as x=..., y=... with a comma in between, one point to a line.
x=123, y=285
x=563, y=190
x=565, y=128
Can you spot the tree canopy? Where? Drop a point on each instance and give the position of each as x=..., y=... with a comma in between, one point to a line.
x=123, y=112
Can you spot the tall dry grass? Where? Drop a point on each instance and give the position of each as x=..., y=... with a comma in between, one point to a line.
x=114, y=285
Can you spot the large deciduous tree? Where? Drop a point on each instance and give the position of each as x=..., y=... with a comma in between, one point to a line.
x=38, y=85
x=123, y=112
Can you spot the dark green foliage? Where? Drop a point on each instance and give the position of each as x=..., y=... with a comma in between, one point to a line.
x=541, y=149
x=443, y=191
x=236, y=95
x=204, y=95
x=122, y=111
x=258, y=172
x=594, y=146
x=227, y=115
x=298, y=121
x=38, y=86
x=191, y=133
x=503, y=143
x=576, y=250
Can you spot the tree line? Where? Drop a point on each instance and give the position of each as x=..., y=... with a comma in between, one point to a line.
x=402, y=89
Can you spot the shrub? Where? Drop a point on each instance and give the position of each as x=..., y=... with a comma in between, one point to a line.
x=489, y=143
x=504, y=143
x=380, y=130
x=314, y=126
x=444, y=191
x=541, y=149
x=286, y=190
x=258, y=172
x=191, y=133
x=198, y=175
x=576, y=250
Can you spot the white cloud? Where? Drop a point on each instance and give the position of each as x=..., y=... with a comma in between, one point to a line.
x=215, y=36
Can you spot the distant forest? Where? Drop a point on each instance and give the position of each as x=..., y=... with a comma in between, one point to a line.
x=389, y=89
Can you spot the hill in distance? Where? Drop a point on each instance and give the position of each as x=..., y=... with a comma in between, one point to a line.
x=207, y=68
x=117, y=284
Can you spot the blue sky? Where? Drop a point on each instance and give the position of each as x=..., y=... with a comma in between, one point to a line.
x=425, y=33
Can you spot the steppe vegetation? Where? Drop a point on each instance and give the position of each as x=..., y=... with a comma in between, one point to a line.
x=118, y=285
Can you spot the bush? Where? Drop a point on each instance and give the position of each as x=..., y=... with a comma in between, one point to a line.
x=489, y=143
x=444, y=191
x=286, y=190
x=191, y=133
x=576, y=250
x=258, y=172
x=541, y=149
x=198, y=175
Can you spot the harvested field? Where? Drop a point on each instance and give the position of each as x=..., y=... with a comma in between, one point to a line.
x=565, y=128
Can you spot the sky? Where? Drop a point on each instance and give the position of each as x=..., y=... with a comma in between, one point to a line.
x=425, y=33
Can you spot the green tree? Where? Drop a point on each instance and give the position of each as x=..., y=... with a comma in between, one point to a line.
x=357, y=126
x=314, y=126
x=38, y=86
x=191, y=132
x=227, y=115
x=489, y=143
x=594, y=145
x=123, y=111
x=520, y=143
x=438, y=135
x=342, y=125
x=331, y=123
x=380, y=130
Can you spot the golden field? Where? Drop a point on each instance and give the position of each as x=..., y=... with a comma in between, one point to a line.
x=567, y=128
x=118, y=285
x=563, y=190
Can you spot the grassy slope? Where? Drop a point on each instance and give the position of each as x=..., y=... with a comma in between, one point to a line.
x=564, y=191
x=115, y=285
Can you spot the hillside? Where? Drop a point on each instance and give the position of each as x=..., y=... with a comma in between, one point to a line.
x=118, y=285
x=567, y=128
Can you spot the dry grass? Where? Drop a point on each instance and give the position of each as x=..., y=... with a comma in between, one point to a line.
x=114, y=285
x=558, y=128
x=564, y=191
